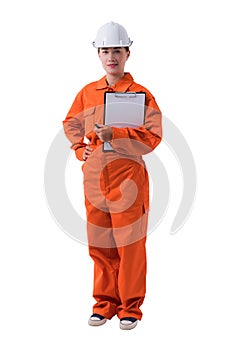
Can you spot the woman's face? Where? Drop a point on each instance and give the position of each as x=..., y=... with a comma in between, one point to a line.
x=113, y=60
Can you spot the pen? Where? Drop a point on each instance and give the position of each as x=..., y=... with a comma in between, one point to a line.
x=97, y=126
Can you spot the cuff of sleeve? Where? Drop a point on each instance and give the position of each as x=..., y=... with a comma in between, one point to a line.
x=118, y=133
x=79, y=153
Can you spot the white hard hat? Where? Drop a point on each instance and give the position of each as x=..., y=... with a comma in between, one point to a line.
x=112, y=35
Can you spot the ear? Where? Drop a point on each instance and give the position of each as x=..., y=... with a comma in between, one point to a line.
x=128, y=55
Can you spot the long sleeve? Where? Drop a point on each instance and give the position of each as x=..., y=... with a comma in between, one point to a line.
x=74, y=126
x=141, y=140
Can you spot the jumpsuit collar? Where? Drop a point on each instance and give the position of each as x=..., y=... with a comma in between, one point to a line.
x=121, y=85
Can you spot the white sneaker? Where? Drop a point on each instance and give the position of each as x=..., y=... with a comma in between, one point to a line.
x=127, y=323
x=96, y=320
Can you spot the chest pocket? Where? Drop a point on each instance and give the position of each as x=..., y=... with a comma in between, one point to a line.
x=91, y=116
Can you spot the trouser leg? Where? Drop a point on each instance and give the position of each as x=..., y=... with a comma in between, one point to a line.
x=103, y=251
x=132, y=279
x=105, y=289
x=131, y=245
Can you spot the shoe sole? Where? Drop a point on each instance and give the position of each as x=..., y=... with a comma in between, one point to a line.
x=127, y=327
x=97, y=323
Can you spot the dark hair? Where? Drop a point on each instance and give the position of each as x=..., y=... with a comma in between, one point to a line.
x=125, y=47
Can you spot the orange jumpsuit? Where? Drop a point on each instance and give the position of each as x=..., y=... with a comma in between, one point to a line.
x=116, y=196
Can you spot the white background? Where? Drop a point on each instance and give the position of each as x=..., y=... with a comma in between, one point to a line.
x=188, y=54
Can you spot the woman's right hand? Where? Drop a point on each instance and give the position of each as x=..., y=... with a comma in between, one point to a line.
x=87, y=152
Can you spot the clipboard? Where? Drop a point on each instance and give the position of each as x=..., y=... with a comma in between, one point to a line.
x=123, y=109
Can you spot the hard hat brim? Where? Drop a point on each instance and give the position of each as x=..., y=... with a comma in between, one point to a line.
x=99, y=46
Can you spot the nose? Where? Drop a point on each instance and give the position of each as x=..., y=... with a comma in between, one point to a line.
x=111, y=56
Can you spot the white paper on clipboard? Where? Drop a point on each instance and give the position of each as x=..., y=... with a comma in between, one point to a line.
x=124, y=109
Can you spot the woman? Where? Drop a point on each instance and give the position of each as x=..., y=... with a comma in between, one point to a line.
x=115, y=183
